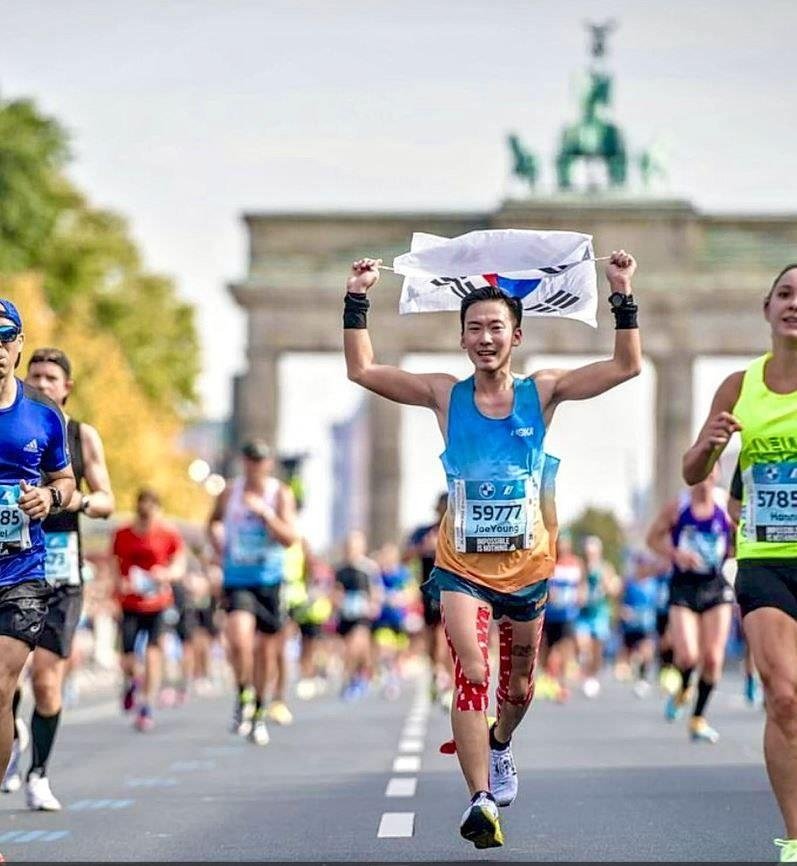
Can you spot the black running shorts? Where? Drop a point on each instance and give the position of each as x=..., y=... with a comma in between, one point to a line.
x=265, y=603
x=767, y=583
x=632, y=639
x=557, y=631
x=699, y=593
x=23, y=608
x=133, y=623
x=63, y=616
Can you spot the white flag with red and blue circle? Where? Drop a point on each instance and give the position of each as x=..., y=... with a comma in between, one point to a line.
x=551, y=272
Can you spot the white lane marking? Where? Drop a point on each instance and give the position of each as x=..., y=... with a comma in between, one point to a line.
x=414, y=730
x=406, y=764
x=396, y=825
x=401, y=787
x=411, y=747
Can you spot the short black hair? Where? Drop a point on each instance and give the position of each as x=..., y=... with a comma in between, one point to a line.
x=491, y=293
x=51, y=355
x=148, y=494
x=777, y=279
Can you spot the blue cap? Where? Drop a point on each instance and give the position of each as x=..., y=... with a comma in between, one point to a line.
x=9, y=311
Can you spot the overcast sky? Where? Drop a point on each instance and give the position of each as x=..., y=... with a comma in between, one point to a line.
x=183, y=114
x=186, y=113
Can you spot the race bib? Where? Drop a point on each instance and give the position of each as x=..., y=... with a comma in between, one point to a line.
x=14, y=523
x=248, y=545
x=710, y=548
x=491, y=516
x=771, y=513
x=143, y=582
x=62, y=558
x=354, y=605
x=561, y=595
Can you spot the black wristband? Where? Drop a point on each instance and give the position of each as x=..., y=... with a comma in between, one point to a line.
x=355, y=309
x=625, y=318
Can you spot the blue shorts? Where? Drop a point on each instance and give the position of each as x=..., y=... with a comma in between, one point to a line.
x=594, y=625
x=524, y=605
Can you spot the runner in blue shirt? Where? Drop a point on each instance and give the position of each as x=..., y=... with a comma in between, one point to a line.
x=35, y=479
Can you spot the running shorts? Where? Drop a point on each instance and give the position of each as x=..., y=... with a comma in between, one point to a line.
x=767, y=583
x=61, y=622
x=699, y=593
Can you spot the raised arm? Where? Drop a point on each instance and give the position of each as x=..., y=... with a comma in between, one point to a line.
x=715, y=434
x=413, y=389
x=556, y=386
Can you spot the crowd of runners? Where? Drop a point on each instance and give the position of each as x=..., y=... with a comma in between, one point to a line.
x=246, y=603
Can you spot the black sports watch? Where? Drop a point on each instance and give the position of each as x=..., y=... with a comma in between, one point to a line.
x=620, y=299
x=58, y=499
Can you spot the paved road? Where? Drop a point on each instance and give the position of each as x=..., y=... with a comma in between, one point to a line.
x=600, y=780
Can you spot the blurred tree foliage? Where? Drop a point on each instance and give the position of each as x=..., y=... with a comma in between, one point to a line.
x=79, y=281
x=604, y=524
x=141, y=440
x=87, y=257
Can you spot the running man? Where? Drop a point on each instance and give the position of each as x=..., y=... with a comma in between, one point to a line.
x=251, y=526
x=761, y=403
x=422, y=545
x=593, y=625
x=694, y=533
x=36, y=479
x=50, y=373
x=566, y=593
x=357, y=598
x=493, y=551
x=149, y=556
x=638, y=622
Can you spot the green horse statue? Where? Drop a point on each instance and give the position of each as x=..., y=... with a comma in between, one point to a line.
x=526, y=166
x=593, y=137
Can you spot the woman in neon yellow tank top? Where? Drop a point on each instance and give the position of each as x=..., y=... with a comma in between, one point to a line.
x=761, y=404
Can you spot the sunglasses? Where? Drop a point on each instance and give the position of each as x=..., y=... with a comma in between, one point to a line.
x=9, y=333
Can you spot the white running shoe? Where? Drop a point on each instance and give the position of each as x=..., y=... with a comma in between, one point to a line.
x=12, y=781
x=259, y=735
x=480, y=823
x=591, y=687
x=39, y=796
x=503, y=776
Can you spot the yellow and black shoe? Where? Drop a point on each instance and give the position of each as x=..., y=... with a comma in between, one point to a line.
x=480, y=823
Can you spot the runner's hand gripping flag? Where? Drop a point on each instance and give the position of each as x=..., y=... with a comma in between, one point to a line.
x=552, y=272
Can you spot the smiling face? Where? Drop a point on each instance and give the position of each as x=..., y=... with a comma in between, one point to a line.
x=489, y=335
x=9, y=349
x=780, y=308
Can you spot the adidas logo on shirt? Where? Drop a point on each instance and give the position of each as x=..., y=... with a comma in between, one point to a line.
x=32, y=447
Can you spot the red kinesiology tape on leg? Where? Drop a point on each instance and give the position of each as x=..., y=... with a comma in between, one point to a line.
x=505, y=670
x=504, y=665
x=469, y=695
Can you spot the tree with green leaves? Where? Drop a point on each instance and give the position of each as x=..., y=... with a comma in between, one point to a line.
x=604, y=524
x=87, y=257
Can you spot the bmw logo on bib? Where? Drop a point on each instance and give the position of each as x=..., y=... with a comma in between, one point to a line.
x=487, y=490
x=772, y=473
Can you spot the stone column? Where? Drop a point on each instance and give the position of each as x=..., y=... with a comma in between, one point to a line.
x=259, y=399
x=673, y=422
x=385, y=486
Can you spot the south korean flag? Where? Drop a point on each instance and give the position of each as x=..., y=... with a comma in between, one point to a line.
x=552, y=273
